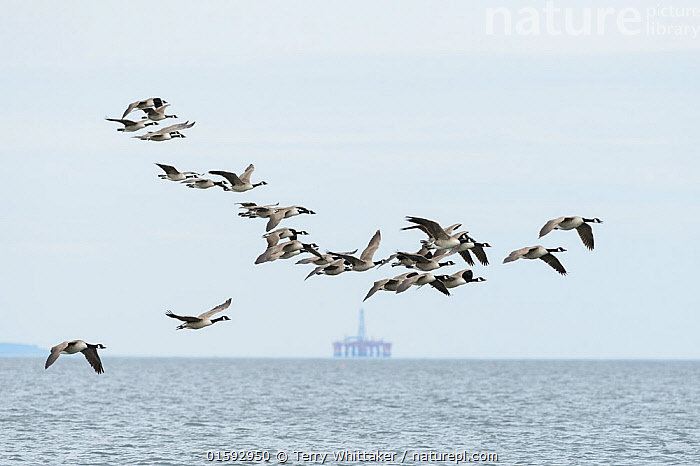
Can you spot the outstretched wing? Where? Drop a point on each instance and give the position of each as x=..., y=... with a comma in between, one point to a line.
x=182, y=318
x=169, y=169
x=438, y=285
x=275, y=220
x=433, y=228
x=549, y=226
x=55, y=353
x=245, y=176
x=372, y=247
x=219, y=308
x=376, y=287
x=131, y=106
x=94, y=359
x=467, y=257
x=586, y=233
x=408, y=282
x=480, y=254
x=317, y=270
x=553, y=263
x=517, y=254
x=230, y=176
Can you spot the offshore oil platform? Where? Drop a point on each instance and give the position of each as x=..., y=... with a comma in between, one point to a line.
x=359, y=346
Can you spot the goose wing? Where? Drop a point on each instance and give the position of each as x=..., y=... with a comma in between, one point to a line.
x=549, y=226
x=433, y=228
x=414, y=257
x=55, y=353
x=586, y=233
x=275, y=219
x=372, y=247
x=553, y=263
x=230, y=176
x=438, y=285
x=272, y=238
x=122, y=121
x=517, y=254
x=219, y=308
x=169, y=169
x=182, y=318
x=468, y=275
x=131, y=106
x=352, y=260
x=467, y=257
x=410, y=279
x=322, y=267
x=480, y=254
x=245, y=176
x=94, y=359
x=376, y=287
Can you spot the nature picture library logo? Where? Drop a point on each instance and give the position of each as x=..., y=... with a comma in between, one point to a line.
x=559, y=18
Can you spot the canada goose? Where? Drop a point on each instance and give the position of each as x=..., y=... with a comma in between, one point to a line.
x=569, y=223
x=336, y=267
x=204, y=183
x=275, y=236
x=285, y=212
x=167, y=133
x=467, y=243
x=538, y=252
x=256, y=211
x=431, y=261
x=242, y=183
x=152, y=102
x=365, y=261
x=130, y=125
x=75, y=346
x=420, y=279
x=438, y=238
x=203, y=320
x=404, y=260
x=387, y=284
x=157, y=114
x=459, y=278
x=284, y=250
x=172, y=174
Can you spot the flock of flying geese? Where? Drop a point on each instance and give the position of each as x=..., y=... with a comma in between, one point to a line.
x=441, y=242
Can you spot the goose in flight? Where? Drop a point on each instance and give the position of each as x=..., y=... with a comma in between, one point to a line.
x=158, y=113
x=167, y=133
x=387, y=284
x=420, y=279
x=285, y=212
x=130, y=125
x=438, y=237
x=242, y=183
x=256, y=211
x=205, y=183
x=152, y=102
x=459, y=278
x=336, y=267
x=538, y=252
x=203, y=320
x=75, y=346
x=322, y=259
x=172, y=174
x=274, y=237
x=569, y=223
x=365, y=261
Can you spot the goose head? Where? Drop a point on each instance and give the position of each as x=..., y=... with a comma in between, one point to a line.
x=100, y=346
x=219, y=319
x=446, y=263
x=559, y=249
x=479, y=279
x=484, y=245
x=299, y=232
x=595, y=220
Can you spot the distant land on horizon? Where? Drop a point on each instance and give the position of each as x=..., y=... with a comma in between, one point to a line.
x=20, y=349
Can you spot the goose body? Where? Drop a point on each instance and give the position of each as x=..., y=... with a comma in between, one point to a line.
x=336, y=267
x=77, y=346
x=239, y=184
x=581, y=225
x=387, y=284
x=429, y=262
x=285, y=212
x=538, y=252
x=467, y=243
x=204, y=183
x=459, y=278
x=257, y=211
x=274, y=237
x=203, y=320
x=284, y=250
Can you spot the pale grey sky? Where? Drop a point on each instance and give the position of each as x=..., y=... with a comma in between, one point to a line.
x=364, y=112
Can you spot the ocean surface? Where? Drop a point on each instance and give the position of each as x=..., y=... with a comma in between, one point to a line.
x=178, y=411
